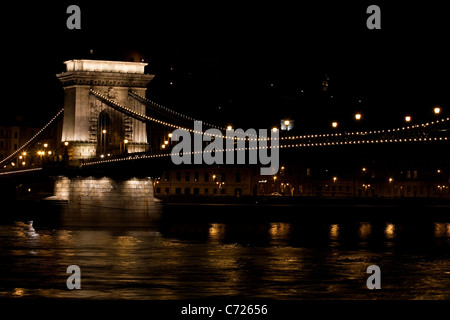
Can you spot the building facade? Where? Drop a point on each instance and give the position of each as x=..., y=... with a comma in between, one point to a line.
x=296, y=181
x=13, y=137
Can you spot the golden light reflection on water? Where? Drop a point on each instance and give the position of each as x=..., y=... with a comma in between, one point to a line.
x=279, y=230
x=334, y=231
x=18, y=292
x=127, y=241
x=389, y=231
x=219, y=259
x=441, y=230
x=365, y=229
x=216, y=231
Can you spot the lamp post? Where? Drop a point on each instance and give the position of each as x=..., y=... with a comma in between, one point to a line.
x=103, y=142
x=125, y=142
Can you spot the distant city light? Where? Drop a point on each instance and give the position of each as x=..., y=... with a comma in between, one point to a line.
x=408, y=118
x=334, y=124
x=358, y=116
x=437, y=110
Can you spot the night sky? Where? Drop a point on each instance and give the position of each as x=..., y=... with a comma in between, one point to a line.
x=248, y=65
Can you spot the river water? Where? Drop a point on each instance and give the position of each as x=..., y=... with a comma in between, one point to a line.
x=225, y=251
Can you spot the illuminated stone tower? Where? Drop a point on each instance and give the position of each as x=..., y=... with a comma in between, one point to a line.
x=93, y=128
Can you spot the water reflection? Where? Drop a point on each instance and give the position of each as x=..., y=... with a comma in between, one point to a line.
x=441, y=230
x=334, y=231
x=390, y=231
x=136, y=257
x=216, y=231
x=365, y=230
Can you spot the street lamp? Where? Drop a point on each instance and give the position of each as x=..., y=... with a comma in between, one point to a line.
x=437, y=110
x=358, y=116
x=334, y=124
x=103, y=141
x=408, y=118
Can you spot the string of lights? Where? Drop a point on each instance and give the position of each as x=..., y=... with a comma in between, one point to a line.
x=176, y=113
x=298, y=137
x=298, y=145
x=365, y=133
x=142, y=117
x=340, y=135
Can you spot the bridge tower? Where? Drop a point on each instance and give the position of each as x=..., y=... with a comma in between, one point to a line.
x=93, y=128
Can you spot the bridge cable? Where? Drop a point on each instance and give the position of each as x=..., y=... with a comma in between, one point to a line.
x=32, y=139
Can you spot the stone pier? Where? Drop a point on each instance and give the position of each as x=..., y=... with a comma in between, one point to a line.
x=131, y=194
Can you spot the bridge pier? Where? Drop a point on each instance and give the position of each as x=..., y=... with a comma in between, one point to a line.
x=131, y=194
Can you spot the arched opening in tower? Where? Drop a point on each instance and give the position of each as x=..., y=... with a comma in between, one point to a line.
x=110, y=135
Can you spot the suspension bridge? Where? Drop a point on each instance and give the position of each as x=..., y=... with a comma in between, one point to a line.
x=107, y=121
x=106, y=116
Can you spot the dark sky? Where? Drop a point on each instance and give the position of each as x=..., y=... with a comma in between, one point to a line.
x=247, y=63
